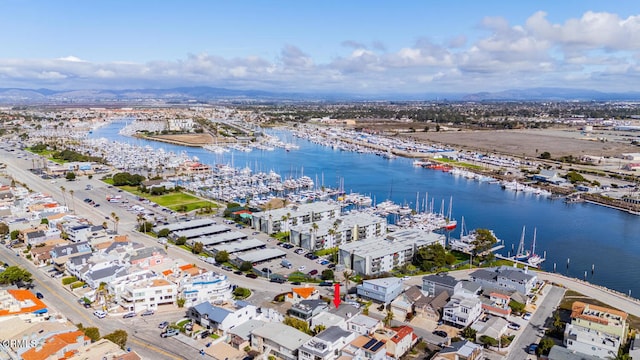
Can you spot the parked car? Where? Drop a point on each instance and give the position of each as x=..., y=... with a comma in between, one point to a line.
x=147, y=312
x=204, y=334
x=527, y=316
x=163, y=324
x=302, y=268
x=514, y=326
x=39, y=295
x=100, y=314
x=170, y=332
x=532, y=349
x=128, y=315
x=326, y=283
x=228, y=268
x=277, y=280
x=440, y=333
x=296, y=283
x=313, y=272
x=252, y=276
x=238, y=272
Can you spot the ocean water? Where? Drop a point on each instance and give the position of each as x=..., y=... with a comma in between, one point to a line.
x=576, y=237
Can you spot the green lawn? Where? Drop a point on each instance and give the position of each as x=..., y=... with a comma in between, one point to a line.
x=172, y=200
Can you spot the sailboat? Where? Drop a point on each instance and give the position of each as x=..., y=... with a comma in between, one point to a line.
x=450, y=223
x=534, y=259
x=522, y=254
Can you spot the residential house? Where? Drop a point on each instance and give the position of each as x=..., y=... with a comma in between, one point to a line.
x=506, y=277
x=298, y=294
x=219, y=318
x=462, y=310
x=431, y=307
x=335, y=316
x=492, y=326
x=146, y=257
x=496, y=303
x=460, y=350
x=58, y=346
x=307, y=309
x=562, y=353
x=104, y=272
x=382, y=290
x=61, y=253
x=365, y=347
x=279, y=340
x=209, y=287
x=240, y=336
x=40, y=236
x=398, y=340
x=326, y=345
x=103, y=349
x=595, y=330
x=21, y=302
x=147, y=294
x=433, y=284
x=364, y=325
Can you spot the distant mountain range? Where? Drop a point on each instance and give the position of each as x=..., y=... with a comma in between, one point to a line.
x=186, y=95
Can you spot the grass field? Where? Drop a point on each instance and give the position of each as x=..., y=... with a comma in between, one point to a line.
x=172, y=200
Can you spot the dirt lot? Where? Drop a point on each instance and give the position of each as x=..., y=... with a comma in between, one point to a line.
x=192, y=139
x=528, y=142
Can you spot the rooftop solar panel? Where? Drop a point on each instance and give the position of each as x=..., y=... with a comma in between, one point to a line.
x=369, y=343
x=377, y=346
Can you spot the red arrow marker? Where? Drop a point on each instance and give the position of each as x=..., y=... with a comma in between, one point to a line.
x=336, y=294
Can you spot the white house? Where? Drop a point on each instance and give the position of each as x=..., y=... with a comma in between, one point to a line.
x=209, y=287
x=221, y=318
x=462, y=310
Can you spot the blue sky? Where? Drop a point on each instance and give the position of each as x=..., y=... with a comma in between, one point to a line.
x=369, y=47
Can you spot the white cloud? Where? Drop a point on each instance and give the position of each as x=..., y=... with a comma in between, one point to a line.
x=598, y=47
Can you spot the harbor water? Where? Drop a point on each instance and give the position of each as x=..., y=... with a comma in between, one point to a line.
x=577, y=237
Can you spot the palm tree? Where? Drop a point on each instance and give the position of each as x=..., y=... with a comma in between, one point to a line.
x=64, y=198
x=388, y=317
x=71, y=192
x=116, y=220
x=347, y=278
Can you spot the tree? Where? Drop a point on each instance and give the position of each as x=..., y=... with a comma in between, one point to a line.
x=545, y=346
x=13, y=274
x=181, y=240
x=222, y=257
x=118, y=337
x=4, y=228
x=318, y=329
x=469, y=333
x=164, y=232
x=327, y=274
x=44, y=221
x=388, y=317
x=64, y=197
x=488, y=340
x=197, y=247
x=145, y=227
x=429, y=257
x=14, y=234
x=545, y=155
x=246, y=266
x=483, y=241
x=347, y=278
x=93, y=333
x=297, y=324
x=73, y=204
x=180, y=302
x=241, y=293
x=70, y=176
x=516, y=307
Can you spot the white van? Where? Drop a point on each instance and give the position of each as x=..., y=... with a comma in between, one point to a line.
x=286, y=263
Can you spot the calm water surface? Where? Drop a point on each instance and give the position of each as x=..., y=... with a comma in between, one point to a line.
x=586, y=234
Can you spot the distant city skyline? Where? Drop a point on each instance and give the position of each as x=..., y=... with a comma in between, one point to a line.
x=356, y=47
